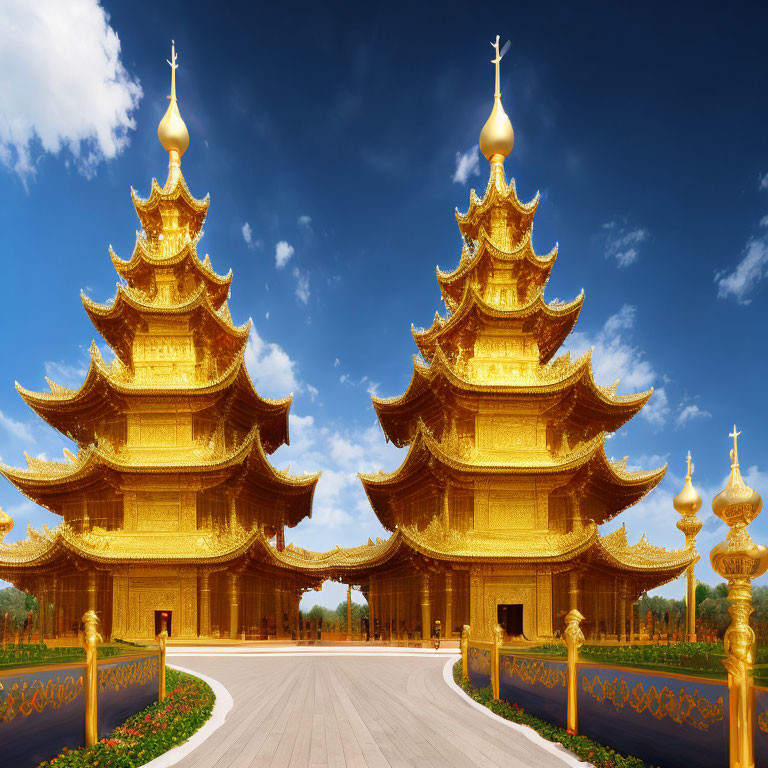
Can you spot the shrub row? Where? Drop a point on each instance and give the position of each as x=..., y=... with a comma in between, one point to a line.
x=153, y=731
x=40, y=653
x=585, y=749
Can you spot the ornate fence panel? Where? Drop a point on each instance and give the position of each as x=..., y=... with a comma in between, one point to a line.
x=479, y=664
x=126, y=687
x=665, y=719
x=42, y=709
x=761, y=726
x=536, y=685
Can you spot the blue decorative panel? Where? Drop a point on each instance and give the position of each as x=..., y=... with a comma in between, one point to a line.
x=41, y=712
x=665, y=720
x=479, y=667
x=125, y=688
x=536, y=685
x=761, y=728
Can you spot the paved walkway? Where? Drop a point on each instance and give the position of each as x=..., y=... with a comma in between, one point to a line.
x=295, y=708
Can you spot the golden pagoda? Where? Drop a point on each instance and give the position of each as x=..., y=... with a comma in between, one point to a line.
x=169, y=504
x=506, y=481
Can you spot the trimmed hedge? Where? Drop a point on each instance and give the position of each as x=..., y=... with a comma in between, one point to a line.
x=585, y=749
x=33, y=654
x=151, y=732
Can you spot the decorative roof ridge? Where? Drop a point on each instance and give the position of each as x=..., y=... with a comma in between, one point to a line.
x=277, y=401
x=199, y=298
x=485, y=244
x=467, y=547
x=339, y=557
x=618, y=469
x=472, y=299
x=643, y=554
x=179, y=189
x=141, y=253
x=497, y=191
x=307, y=480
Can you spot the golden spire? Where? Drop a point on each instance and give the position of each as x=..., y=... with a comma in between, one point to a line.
x=497, y=137
x=172, y=130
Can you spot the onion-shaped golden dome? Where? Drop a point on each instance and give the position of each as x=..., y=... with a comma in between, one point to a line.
x=737, y=503
x=172, y=130
x=497, y=137
x=688, y=501
x=6, y=523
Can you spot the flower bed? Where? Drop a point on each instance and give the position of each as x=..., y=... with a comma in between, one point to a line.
x=585, y=749
x=151, y=732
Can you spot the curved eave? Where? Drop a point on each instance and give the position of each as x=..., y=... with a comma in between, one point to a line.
x=618, y=488
x=642, y=557
x=147, y=208
x=142, y=259
x=561, y=319
x=112, y=319
x=297, y=491
x=276, y=412
x=496, y=192
x=523, y=251
x=573, y=547
x=351, y=561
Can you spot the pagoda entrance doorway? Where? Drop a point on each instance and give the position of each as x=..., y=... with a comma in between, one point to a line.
x=510, y=617
x=163, y=622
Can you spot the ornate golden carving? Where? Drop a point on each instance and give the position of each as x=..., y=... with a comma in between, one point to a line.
x=532, y=671
x=28, y=698
x=691, y=709
x=124, y=675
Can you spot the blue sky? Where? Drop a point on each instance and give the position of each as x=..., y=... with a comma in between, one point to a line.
x=335, y=142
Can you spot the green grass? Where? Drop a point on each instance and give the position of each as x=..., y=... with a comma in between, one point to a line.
x=585, y=749
x=151, y=732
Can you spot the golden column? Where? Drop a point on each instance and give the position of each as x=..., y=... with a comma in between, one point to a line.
x=739, y=560
x=91, y=641
x=688, y=503
x=234, y=610
x=349, y=611
x=371, y=611
x=92, y=590
x=426, y=619
x=205, y=604
x=448, y=603
x=574, y=639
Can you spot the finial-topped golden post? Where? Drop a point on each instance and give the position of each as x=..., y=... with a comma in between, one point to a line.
x=739, y=560
x=497, y=137
x=172, y=130
x=688, y=503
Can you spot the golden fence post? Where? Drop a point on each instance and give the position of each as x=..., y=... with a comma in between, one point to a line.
x=161, y=638
x=498, y=639
x=91, y=641
x=739, y=560
x=574, y=639
x=465, y=634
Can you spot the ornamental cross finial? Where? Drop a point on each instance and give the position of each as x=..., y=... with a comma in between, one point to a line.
x=690, y=466
x=174, y=66
x=735, y=451
x=497, y=61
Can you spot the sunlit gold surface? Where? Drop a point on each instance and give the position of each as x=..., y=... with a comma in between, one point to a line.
x=574, y=639
x=91, y=641
x=688, y=503
x=497, y=137
x=739, y=560
x=170, y=491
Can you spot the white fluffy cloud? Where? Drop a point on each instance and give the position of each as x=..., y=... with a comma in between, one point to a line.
x=467, y=164
x=302, y=285
x=741, y=281
x=247, y=234
x=271, y=368
x=64, y=84
x=615, y=357
x=691, y=412
x=16, y=429
x=622, y=243
x=305, y=221
x=283, y=252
